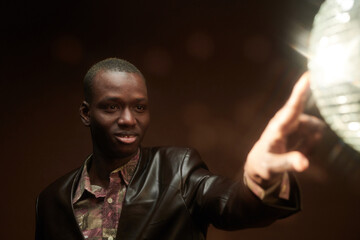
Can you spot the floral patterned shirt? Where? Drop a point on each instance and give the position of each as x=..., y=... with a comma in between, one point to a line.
x=97, y=210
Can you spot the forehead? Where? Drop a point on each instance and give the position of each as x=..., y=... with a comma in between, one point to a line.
x=118, y=84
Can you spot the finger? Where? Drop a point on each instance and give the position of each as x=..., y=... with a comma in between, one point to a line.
x=311, y=127
x=291, y=161
x=308, y=126
x=295, y=104
x=298, y=94
x=312, y=123
x=285, y=120
x=307, y=135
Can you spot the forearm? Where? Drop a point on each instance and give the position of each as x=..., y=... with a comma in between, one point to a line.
x=232, y=205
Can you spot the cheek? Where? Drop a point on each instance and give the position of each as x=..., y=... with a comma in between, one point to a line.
x=102, y=124
x=144, y=122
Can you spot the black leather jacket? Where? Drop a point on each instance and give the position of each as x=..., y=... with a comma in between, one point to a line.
x=172, y=195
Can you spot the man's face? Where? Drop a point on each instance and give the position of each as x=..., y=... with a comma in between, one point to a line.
x=118, y=113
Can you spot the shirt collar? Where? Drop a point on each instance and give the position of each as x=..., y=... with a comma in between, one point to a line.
x=126, y=171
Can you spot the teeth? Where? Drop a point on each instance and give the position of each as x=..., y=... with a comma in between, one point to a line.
x=127, y=139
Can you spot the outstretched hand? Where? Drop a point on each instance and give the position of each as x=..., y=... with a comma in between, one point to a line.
x=287, y=138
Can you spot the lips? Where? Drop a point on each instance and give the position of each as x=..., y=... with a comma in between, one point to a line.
x=126, y=138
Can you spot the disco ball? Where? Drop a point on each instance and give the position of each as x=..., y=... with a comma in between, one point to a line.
x=334, y=64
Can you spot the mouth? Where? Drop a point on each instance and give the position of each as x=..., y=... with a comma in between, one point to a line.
x=126, y=138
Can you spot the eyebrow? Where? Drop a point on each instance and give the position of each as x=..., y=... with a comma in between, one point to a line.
x=117, y=99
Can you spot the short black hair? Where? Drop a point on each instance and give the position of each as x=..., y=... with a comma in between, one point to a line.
x=109, y=64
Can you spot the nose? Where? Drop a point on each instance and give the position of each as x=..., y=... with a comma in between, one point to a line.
x=126, y=118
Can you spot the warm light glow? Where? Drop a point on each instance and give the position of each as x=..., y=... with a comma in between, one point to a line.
x=341, y=99
x=343, y=17
x=354, y=126
x=346, y=5
x=330, y=60
x=334, y=64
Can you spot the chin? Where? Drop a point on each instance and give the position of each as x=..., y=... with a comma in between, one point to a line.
x=126, y=151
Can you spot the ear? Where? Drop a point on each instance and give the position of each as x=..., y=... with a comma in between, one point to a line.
x=85, y=113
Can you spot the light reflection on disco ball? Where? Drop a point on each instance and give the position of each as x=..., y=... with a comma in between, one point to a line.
x=334, y=65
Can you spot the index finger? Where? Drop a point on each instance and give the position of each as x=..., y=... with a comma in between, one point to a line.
x=298, y=95
x=287, y=117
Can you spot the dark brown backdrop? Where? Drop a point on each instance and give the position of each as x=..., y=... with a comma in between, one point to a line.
x=216, y=70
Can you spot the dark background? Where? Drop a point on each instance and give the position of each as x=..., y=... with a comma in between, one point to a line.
x=217, y=71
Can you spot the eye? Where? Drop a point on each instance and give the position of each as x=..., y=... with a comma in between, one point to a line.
x=140, y=108
x=111, y=107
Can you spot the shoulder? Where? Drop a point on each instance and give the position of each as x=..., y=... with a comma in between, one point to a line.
x=60, y=187
x=170, y=153
x=175, y=158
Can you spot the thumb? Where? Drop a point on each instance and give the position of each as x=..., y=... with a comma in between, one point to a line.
x=291, y=161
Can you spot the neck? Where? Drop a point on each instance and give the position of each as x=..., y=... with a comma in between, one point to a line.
x=101, y=167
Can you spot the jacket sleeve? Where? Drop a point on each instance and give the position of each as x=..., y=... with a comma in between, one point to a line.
x=38, y=231
x=229, y=204
x=54, y=215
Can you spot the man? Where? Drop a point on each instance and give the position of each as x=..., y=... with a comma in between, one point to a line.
x=124, y=191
